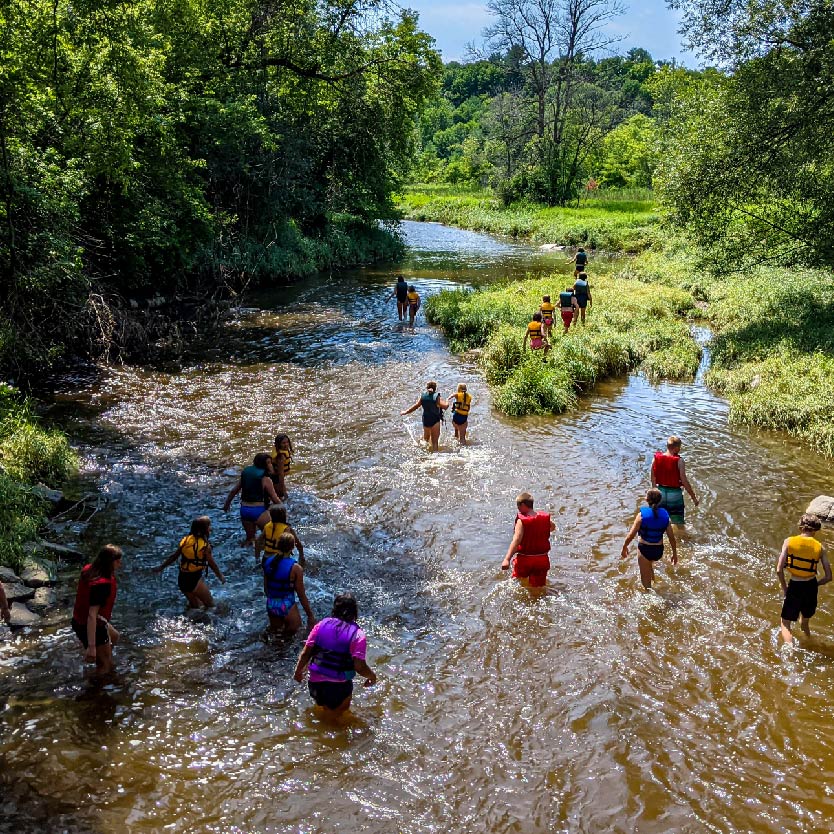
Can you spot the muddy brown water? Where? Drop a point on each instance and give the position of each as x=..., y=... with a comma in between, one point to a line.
x=596, y=708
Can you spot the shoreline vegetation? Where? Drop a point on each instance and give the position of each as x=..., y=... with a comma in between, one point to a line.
x=773, y=346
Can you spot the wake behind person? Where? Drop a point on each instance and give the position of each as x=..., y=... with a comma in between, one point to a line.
x=432, y=404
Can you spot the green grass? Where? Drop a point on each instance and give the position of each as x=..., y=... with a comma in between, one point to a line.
x=617, y=223
x=633, y=325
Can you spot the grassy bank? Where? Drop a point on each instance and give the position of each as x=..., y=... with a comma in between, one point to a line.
x=624, y=222
x=29, y=453
x=632, y=325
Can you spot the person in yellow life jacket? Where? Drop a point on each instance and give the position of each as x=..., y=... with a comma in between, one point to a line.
x=413, y=304
x=273, y=527
x=800, y=556
x=548, y=311
x=194, y=553
x=528, y=551
x=281, y=464
x=461, y=403
x=535, y=333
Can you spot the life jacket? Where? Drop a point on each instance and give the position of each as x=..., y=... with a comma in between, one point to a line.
x=581, y=258
x=430, y=406
x=277, y=455
x=272, y=532
x=252, y=488
x=566, y=300
x=331, y=654
x=534, y=331
x=580, y=289
x=536, y=539
x=652, y=527
x=413, y=298
x=666, y=472
x=547, y=311
x=193, y=554
x=401, y=291
x=803, y=556
x=86, y=583
x=461, y=402
x=277, y=570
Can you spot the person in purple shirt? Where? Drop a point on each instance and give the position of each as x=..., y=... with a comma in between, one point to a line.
x=335, y=652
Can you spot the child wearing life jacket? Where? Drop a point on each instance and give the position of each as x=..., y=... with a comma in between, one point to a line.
x=194, y=553
x=272, y=524
x=461, y=403
x=283, y=582
x=401, y=293
x=413, y=304
x=281, y=464
x=255, y=486
x=651, y=523
x=568, y=307
x=669, y=476
x=800, y=556
x=531, y=543
x=433, y=406
x=548, y=311
x=535, y=333
x=580, y=260
x=582, y=291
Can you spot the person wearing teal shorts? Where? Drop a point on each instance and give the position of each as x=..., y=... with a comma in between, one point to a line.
x=669, y=476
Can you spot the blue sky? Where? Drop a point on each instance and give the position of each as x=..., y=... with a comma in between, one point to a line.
x=646, y=23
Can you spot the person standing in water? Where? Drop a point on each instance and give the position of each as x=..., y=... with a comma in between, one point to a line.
x=432, y=404
x=567, y=307
x=801, y=555
x=194, y=553
x=579, y=260
x=335, y=652
x=273, y=523
x=528, y=551
x=650, y=524
x=535, y=333
x=5, y=611
x=94, y=600
x=281, y=464
x=548, y=311
x=582, y=292
x=400, y=291
x=669, y=476
x=254, y=483
x=413, y=304
x=461, y=403
x=283, y=581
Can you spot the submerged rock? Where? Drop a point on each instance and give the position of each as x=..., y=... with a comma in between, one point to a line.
x=822, y=506
x=552, y=247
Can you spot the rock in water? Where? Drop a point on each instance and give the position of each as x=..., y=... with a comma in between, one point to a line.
x=22, y=616
x=17, y=593
x=68, y=554
x=43, y=600
x=552, y=247
x=35, y=576
x=822, y=506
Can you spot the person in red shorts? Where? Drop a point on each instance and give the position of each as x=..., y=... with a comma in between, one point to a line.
x=531, y=543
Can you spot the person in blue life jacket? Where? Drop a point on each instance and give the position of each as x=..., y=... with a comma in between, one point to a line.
x=651, y=523
x=582, y=291
x=400, y=291
x=254, y=485
x=579, y=260
x=284, y=588
x=567, y=307
x=433, y=406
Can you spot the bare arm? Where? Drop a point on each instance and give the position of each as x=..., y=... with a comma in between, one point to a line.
x=442, y=403
x=269, y=489
x=281, y=474
x=685, y=482
x=235, y=490
x=826, y=567
x=524, y=343
x=518, y=535
x=654, y=477
x=213, y=565
x=5, y=611
x=670, y=533
x=297, y=578
x=298, y=546
x=92, y=622
x=409, y=410
x=590, y=300
x=631, y=535
x=363, y=669
x=169, y=561
x=303, y=660
x=780, y=566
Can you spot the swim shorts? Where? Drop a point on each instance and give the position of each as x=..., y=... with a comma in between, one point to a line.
x=532, y=568
x=459, y=419
x=280, y=606
x=547, y=321
x=428, y=422
x=536, y=343
x=652, y=552
x=102, y=637
x=673, y=503
x=250, y=513
x=329, y=693
x=801, y=598
x=187, y=581
x=567, y=317
x=582, y=302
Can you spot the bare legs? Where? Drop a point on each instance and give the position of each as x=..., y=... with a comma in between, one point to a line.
x=431, y=434
x=646, y=571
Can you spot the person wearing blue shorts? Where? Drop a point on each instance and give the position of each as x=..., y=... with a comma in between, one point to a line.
x=461, y=403
x=283, y=582
x=255, y=486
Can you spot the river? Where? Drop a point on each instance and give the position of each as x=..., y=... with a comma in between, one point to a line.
x=596, y=708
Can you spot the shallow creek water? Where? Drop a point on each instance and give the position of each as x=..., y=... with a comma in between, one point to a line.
x=595, y=708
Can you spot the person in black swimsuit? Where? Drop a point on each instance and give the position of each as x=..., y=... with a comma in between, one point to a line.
x=432, y=404
x=401, y=292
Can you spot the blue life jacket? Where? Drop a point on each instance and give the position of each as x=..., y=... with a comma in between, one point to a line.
x=581, y=290
x=277, y=569
x=652, y=527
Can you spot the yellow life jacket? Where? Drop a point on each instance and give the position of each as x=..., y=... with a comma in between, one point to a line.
x=547, y=309
x=272, y=532
x=277, y=455
x=534, y=329
x=193, y=554
x=413, y=298
x=461, y=402
x=803, y=556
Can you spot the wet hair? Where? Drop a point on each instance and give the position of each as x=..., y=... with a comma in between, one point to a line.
x=401, y=279
x=809, y=521
x=653, y=499
x=345, y=608
x=537, y=316
x=261, y=459
x=673, y=442
x=200, y=527
x=286, y=542
x=280, y=438
x=278, y=514
x=412, y=288
x=524, y=498
x=102, y=565
x=431, y=385
x=462, y=387
x=546, y=298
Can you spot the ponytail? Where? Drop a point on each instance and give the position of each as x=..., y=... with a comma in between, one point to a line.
x=653, y=499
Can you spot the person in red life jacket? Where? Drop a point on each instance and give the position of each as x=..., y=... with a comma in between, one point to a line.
x=800, y=555
x=651, y=523
x=669, y=476
x=335, y=652
x=94, y=601
x=531, y=543
x=5, y=611
x=194, y=553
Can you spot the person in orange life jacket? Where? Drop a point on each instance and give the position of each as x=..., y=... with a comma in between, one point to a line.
x=531, y=543
x=5, y=611
x=401, y=292
x=335, y=651
x=651, y=523
x=582, y=291
x=669, y=476
x=567, y=307
x=276, y=518
x=413, y=299
x=800, y=555
x=433, y=405
x=548, y=311
x=194, y=553
x=535, y=333
x=281, y=463
x=461, y=404
x=93, y=608
x=283, y=580
x=254, y=483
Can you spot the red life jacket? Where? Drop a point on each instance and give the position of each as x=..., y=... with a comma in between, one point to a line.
x=666, y=471
x=536, y=539
x=82, y=597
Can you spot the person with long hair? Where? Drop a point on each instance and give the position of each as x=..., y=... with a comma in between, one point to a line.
x=432, y=404
x=254, y=484
x=284, y=587
x=194, y=553
x=94, y=600
x=650, y=524
x=281, y=464
x=461, y=405
x=335, y=652
x=272, y=524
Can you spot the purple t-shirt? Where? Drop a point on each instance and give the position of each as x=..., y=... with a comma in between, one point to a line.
x=358, y=647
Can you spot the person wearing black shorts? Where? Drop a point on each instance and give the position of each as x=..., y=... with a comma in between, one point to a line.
x=401, y=293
